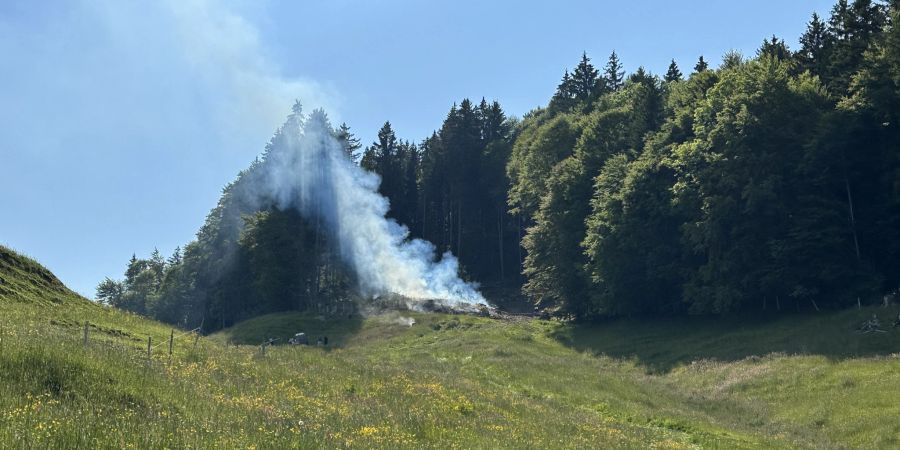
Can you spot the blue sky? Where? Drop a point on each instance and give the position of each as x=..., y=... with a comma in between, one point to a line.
x=121, y=121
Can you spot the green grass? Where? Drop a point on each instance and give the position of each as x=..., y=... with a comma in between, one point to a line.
x=444, y=382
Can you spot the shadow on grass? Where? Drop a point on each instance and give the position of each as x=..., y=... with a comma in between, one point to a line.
x=659, y=345
x=283, y=326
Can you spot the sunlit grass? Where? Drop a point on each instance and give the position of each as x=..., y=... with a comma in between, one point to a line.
x=444, y=382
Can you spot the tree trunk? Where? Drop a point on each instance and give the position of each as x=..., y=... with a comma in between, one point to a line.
x=500, y=239
x=447, y=232
x=459, y=232
x=519, y=246
x=852, y=217
x=318, y=258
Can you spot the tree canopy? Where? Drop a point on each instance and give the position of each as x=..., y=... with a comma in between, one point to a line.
x=763, y=184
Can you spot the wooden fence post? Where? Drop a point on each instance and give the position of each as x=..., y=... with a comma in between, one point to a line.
x=85, y=333
x=149, y=350
x=171, y=345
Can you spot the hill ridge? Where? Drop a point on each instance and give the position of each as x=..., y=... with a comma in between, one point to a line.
x=24, y=279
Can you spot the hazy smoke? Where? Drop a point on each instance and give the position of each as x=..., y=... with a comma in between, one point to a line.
x=306, y=168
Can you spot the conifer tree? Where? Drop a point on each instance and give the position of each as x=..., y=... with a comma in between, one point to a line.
x=349, y=141
x=133, y=268
x=584, y=80
x=812, y=46
x=564, y=98
x=384, y=158
x=732, y=59
x=175, y=259
x=613, y=75
x=852, y=29
x=775, y=48
x=701, y=66
x=673, y=74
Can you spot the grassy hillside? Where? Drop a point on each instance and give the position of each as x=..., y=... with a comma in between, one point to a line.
x=24, y=280
x=443, y=382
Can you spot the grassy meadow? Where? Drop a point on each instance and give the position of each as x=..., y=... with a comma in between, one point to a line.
x=444, y=382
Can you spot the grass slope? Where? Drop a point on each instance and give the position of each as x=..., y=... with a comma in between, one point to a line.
x=444, y=382
x=23, y=279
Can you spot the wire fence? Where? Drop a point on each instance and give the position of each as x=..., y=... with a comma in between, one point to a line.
x=94, y=337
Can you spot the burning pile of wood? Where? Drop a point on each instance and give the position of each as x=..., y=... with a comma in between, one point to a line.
x=394, y=302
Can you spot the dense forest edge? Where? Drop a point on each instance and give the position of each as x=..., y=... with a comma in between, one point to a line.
x=768, y=184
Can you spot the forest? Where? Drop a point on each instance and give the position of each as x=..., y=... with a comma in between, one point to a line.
x=770, y=183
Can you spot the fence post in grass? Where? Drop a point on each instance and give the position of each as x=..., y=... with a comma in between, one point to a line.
x=85, y=333
x=149, y=349
x=171, y=345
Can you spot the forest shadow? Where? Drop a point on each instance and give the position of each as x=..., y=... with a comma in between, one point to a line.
x=281, y=327
x=661, y=344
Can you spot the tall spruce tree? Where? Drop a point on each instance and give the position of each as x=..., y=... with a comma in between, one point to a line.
x=701, y=65
x=775, y=48
x=852, y=28
x=813, y=45
x=673, y=74
x=384, y=158
x=613, y=75
x=585, y=80
x=732, y=59
x=349, y=141
x=564, y=98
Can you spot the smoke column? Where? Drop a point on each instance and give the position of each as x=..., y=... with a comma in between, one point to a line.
x=305, y=168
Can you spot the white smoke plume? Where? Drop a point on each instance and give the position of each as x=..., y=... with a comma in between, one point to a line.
x=306, y=168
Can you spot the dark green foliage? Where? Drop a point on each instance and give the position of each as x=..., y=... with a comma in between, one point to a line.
x=613, y=75
x=753, y=130
x=633, y=246
x=385, y=157
x=734, y=59
x=673, y=74
x=554, y=265
x=768, y=182
x=249, y=258
x=349, y=141
x=110, y=292
x=397, y=163
x=564, y=98
x=813, y=46
x=774, y=48
x=743, y=188
x=543, y=142
x=585, y=80
x=701, y=65
x=578, y=90
x=462, y=189
x=852, y=27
